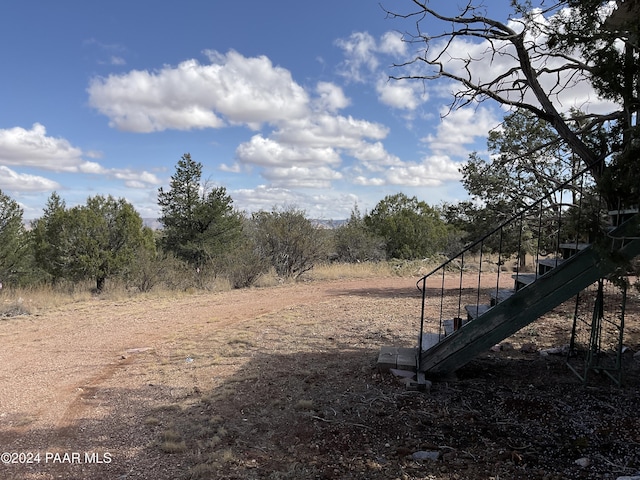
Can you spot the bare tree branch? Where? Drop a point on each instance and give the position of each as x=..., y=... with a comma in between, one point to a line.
x=528, y=74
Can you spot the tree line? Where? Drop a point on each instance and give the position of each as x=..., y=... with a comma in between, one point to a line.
x=202, y=237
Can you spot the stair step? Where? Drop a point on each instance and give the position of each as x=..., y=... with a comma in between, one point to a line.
x=569, y=249
x=429, y=340
x=547, y=264
x=618, y=217
x=449, y=325
x=474, y=311
x=501, y=295
x=525, y=307
x=524, y=279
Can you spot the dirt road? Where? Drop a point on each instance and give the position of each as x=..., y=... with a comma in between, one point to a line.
x=53, y=365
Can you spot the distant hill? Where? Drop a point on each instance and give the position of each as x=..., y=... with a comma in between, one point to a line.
x=328, y=224
x=152, y=223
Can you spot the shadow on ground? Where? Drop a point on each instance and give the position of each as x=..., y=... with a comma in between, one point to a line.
x=331, y=415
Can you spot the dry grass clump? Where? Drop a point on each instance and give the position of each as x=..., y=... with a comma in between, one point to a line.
x=172, y=442
x=152, y=421
x=335, y=271
x=390, y=268
x=267, y=279
x=14, y=308
x=203, y=470
x=213, y=464
x=41, y=298
x=35, y=299
x=31, y=300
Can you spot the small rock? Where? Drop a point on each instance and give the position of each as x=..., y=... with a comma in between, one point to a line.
x=529, y=348
x=583, y=462
x=632, y=477
x=496, y=348
x=563, y=350
x=404, y=377
x=636, y=355
x=402, y=373
x=422, y=386
x=405, y=381
x=425, y=455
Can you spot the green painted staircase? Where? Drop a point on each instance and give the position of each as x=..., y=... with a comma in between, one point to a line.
x=533, y=296
x=557, y=230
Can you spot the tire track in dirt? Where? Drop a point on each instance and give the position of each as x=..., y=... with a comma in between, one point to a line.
x=83, y=397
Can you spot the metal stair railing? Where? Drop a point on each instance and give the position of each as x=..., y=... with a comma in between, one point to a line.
x=547, y=230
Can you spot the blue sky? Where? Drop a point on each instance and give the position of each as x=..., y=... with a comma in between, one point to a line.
x=283, y=102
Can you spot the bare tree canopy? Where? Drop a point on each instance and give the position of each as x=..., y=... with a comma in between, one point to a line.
x=537, y=59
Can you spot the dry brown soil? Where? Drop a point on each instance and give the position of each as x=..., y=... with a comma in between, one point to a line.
x=281, y=383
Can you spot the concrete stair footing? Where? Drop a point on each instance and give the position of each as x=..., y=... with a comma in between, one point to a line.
x=399, y=358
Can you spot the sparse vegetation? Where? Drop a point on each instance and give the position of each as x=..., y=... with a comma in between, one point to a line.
x=288, y=240
x=39, y=298
x=14, y=308
x=205, y=244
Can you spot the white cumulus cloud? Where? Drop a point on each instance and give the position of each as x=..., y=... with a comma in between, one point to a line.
x=270, y=153
x=265, y=197
x=374, y=156
x=369, y=182
x=360, y=56
x=34, y=148
x=330, y=131
x=433, y=171
x=461, y=128
x=308, y=153
x=331, y=97
x=302, y=177
x=363, y=58
x=391, y=43
x=11, y=180
x=232, y=88
x=401, y=94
